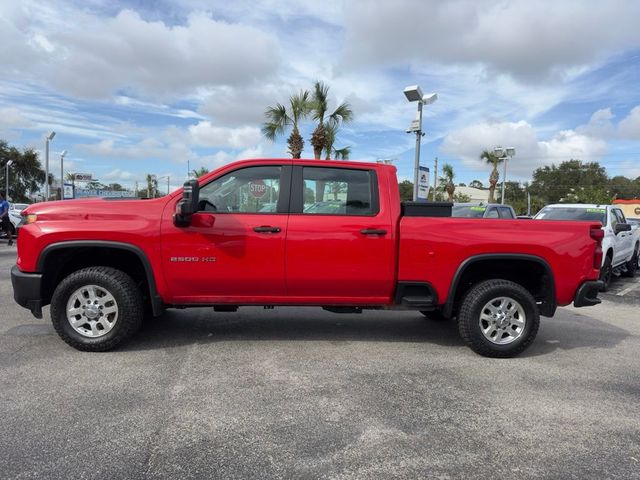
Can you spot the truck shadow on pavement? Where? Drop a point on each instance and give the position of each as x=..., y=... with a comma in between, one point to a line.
x=202, y=326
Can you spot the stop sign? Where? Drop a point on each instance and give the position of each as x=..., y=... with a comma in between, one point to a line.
x=257, y=188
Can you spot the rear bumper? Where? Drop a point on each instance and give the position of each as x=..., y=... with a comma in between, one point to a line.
x=26, y=290
x=587, y=294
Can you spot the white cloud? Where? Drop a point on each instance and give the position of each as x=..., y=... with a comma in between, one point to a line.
x=207, y=135
x=531, y=153
x=529, y=40
x=629, y=127
x=146, y=148
x=12, y=118
x=600, y=124
x=119, y=175
x=96, y=56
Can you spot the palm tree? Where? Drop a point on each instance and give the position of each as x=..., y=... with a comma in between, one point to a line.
x=152, y=185
x=198, y=172
x=342, y=153
x=278, y=119
x=447, y=179
x=319, y=108
x=493, y=160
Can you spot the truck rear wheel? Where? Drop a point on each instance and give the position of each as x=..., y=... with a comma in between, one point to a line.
x=498, y=318
x=96, y=308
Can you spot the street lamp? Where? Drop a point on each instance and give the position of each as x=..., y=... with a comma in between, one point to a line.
x=46, y=165
x=168, y=177
x=414, y=94
x=6, y=191
x=64, y=152
x=503, y=153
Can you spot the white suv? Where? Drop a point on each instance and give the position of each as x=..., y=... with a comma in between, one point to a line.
x=621, y=242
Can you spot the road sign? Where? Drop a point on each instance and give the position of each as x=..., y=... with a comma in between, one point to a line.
x=257, y=188
x=423, y=183
x=67, y=191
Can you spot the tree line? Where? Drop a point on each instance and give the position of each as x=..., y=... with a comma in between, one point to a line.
x=572, y=181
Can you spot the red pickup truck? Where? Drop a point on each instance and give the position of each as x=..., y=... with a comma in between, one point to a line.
x=298, y=232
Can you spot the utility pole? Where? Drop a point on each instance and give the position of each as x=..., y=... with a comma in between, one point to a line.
x=168, y=177
x=435, y=179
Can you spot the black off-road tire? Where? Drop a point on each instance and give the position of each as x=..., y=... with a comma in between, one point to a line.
x=471, y=308
x=606, y=272
x=632, y=265
x=434, y=315
x=127, y=297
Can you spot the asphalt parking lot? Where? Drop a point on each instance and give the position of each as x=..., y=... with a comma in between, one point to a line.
x=303, y=393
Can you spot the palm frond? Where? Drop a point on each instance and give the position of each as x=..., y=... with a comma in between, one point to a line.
x=300, y=106
x=491, y=158
x=342, y=153
x=330, y=138
x=320, y=101
x=342, y=114
x=447, y=172
x=277, y=120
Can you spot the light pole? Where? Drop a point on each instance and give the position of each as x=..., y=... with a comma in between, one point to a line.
x=503, y=153
x=64, y=152
x=6, y=176
x=46, y=165
x=168, y=177
x=414, y=94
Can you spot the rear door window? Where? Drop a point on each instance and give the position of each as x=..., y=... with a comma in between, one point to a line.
x=337, y=191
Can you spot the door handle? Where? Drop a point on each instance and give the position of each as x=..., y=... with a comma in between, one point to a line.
x=373, y=231
x=266, y=229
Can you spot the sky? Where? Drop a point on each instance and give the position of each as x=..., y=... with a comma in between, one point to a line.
x=137, y=87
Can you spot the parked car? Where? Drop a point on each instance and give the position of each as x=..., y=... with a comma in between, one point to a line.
x=102, y=264
x=18, y=207
x=482, y=210
x=621, y=242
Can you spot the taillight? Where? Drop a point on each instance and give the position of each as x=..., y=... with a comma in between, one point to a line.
x=597, y=234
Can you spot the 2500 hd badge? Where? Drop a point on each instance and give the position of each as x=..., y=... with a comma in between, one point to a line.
x=193, y=259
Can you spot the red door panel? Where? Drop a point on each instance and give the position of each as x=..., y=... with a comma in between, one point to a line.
x=226, y=261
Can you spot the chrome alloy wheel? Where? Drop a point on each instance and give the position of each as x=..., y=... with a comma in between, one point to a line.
x=502, y=320
x=92, y=311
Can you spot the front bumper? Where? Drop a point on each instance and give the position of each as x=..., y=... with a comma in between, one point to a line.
x=587, y=294
x=27, y=291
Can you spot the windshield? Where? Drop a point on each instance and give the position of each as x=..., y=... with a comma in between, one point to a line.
x=573, y=213
x=468, y=211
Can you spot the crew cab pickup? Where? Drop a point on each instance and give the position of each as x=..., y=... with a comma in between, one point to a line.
x=249, y=234
x=621, y=241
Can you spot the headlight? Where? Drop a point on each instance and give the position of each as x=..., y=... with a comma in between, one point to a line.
x=30, y=218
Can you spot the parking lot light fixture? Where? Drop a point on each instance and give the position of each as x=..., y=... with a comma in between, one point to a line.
x=414, y=94
x=48, y=138
x=503, y=154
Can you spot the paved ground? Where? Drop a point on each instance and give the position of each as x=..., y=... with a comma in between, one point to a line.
x=304, y=393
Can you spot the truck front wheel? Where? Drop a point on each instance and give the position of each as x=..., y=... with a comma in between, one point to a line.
x=96, y=308
x=498, y=318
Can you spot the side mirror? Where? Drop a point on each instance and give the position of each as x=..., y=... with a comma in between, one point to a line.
x=186, y=207
x=622, y=227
